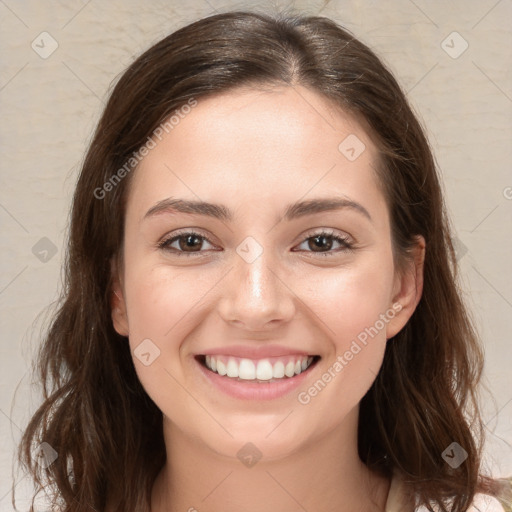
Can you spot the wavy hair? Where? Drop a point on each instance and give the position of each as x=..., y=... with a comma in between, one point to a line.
x=106, y=430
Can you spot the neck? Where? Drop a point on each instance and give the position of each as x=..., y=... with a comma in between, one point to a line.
x=323, y=475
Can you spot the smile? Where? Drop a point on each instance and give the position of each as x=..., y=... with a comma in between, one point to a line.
x=266, y=370
x=255, y=372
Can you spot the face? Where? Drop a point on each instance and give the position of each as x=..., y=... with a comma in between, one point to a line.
x=273, y=291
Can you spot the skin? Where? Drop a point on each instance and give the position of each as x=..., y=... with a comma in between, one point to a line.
x=256, y=151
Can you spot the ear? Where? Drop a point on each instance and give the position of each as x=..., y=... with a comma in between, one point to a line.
x=117, y=301
x=407, y=289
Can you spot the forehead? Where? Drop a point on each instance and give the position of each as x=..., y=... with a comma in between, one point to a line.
x=258, y=143
x=280, y=117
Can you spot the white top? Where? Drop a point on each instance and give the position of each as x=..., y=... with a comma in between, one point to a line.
x=396, y=501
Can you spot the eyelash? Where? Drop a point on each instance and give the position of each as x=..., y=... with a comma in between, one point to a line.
x=343, y=241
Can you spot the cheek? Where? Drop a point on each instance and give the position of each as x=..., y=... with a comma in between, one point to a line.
x=162, y=307
x=354, y=308
x=161, y=304
x=348, y=301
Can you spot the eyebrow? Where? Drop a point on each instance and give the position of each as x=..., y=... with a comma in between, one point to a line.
x=221, y=212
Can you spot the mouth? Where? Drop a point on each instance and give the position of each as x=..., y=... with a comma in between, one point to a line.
x=260, y=371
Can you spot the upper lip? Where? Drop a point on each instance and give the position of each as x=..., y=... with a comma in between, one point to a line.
x=255, y=352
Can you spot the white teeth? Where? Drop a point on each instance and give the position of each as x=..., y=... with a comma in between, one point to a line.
x=289, y=370
x=246, y=369
x=263, y=369
x=232, y=368
x=221, y=368
x=278, y=372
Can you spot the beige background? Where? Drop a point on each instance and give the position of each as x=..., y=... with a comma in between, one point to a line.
x=49, y=107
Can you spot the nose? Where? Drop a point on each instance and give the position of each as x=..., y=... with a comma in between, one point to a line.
x=256, y=298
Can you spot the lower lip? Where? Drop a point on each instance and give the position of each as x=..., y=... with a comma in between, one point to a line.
x=247, y=390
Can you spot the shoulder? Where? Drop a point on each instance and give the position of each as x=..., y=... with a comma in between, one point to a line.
x=398, y=501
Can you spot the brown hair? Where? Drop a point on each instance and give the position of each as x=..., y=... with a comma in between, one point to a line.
x=96, y=415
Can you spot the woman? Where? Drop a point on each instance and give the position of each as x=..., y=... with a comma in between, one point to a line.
x=260, y=310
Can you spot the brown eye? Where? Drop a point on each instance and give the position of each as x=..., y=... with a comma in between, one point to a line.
x=188, y=242
x=320, y=242
x=323, y=243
